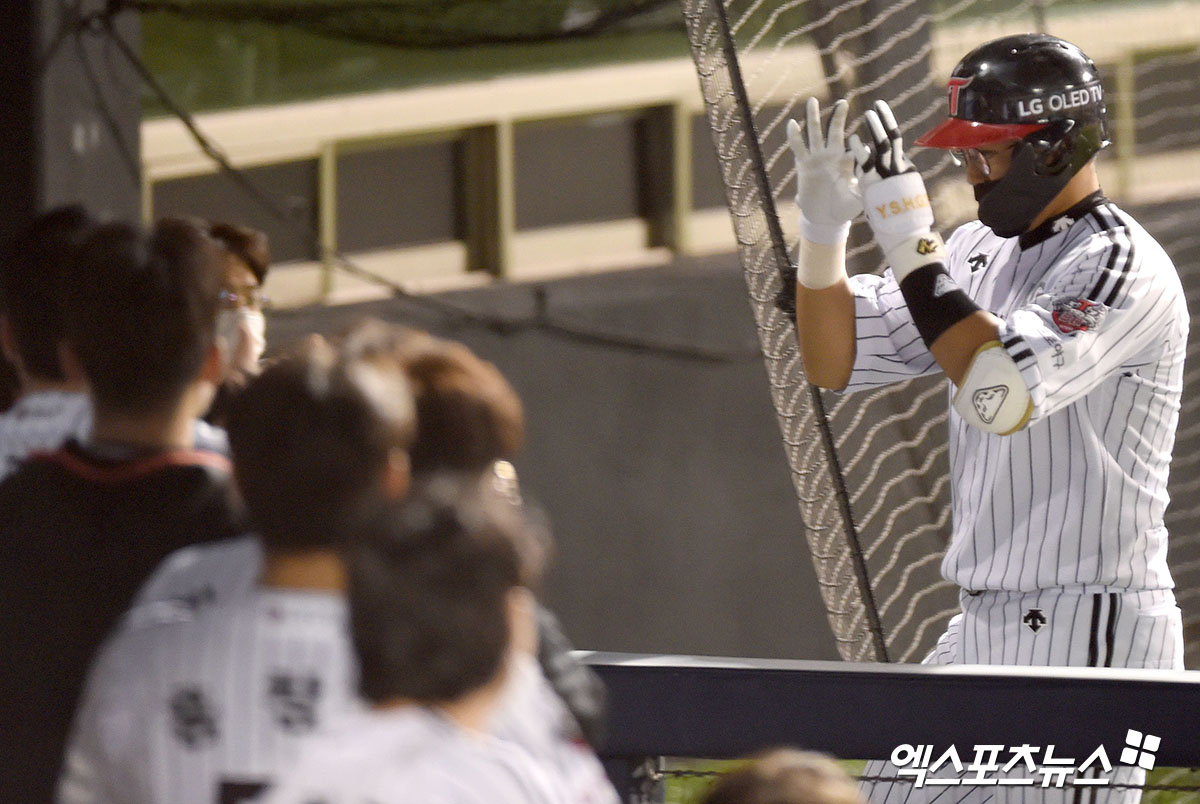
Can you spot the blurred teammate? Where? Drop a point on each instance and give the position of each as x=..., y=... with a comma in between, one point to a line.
x=785, y=776
x=82, y=527
x=1061, y=324
x=440, y=604
x=471, y=421
x=241, y=324
x=51, y=405
x=206, y=701
x=468, y=416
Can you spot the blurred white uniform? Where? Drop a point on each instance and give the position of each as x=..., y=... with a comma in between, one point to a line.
x=187, y=706
x=413, y=754
x=532, y=716
x=41, y=420
x=197, y=620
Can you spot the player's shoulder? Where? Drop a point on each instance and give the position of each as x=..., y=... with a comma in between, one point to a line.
x=1116, y=229
x=1107, y=250
x=204, y=574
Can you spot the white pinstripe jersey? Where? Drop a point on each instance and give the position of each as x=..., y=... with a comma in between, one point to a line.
x=1094, y=316
x=531, y=715
x=408, y=755
x=207, y=706
x=41, y=420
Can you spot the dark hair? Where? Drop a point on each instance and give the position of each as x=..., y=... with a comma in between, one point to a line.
x=140, y=311
x=36, y=266
x=429, y=584
x=785, y=776
x=251, y=246
x=311, y=437
x=468, y=414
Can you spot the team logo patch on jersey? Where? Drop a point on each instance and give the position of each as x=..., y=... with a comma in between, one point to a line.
x=977, y=261
x=293, y=701
x=1035, y=619
x=987, y=402
x=1062, y=224
x=194, y=721
x=1078, y=315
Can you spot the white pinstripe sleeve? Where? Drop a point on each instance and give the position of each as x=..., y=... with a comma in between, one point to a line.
x=1111, y=298
x=888, y=347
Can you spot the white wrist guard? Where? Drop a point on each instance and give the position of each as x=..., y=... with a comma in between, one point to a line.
x=827, y=233
x=822, y=265
x=993, y=396
x=914, y=252
x=897, y=207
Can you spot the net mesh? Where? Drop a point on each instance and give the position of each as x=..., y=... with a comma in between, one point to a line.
x=758, y=62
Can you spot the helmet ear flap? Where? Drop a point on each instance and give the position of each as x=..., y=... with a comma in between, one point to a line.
x=1053, y=147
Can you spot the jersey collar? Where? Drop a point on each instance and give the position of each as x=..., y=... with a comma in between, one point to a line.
x=1060, y=223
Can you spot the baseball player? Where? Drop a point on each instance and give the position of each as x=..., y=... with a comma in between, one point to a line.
x=440, y=607
x=219, y=595
x=206, y=700
x=53, y=405
x=1062, y=327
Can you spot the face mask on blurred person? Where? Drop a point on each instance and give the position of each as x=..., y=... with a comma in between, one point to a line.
x=253, y=327
x=227, y=332
x=242, y=332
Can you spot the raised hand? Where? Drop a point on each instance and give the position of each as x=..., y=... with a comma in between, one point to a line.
x=826, y=186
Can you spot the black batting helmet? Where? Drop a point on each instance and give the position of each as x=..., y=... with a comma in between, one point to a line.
x=1012, y=87
x=1040, y=90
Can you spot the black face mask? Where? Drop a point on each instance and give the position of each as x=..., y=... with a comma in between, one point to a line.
x=1008, y=205
x=983, y=188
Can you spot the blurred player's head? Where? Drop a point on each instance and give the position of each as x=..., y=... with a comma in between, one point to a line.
x=439, y=592
x=314, y=437
x=469, y=414
x=1027, y=115
x=35, y=268
x=785, y=776
x=139, y=316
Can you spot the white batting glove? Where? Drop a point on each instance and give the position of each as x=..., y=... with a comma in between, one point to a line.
x=894, y=197
x=826, y=186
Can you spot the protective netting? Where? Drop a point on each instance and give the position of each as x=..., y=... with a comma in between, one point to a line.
x=877, y=550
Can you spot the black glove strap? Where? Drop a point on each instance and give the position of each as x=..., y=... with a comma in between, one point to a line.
x=934, y=301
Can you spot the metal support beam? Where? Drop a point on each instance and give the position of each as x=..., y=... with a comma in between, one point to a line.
x=72, y=113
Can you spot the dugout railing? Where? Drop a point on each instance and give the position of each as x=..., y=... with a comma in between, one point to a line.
x=724, y=708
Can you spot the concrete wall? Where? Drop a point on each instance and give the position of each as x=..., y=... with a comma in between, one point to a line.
x=665, y=478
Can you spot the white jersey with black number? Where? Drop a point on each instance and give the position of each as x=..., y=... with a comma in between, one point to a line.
x=41, y=420
x=1094, y=315
x=207, y=706
x=531, y=714
x=413, y=754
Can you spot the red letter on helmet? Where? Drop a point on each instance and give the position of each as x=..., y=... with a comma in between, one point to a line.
x=955, y=85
